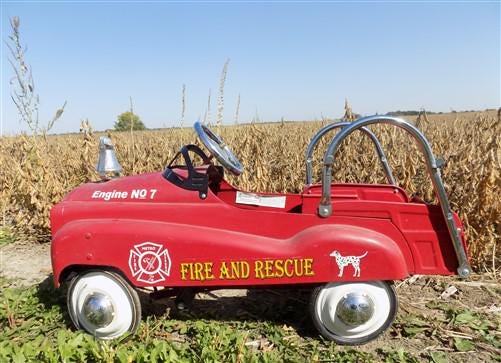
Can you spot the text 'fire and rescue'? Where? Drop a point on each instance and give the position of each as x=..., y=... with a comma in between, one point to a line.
x=261, y=269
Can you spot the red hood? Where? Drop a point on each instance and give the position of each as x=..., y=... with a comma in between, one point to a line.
x=144, y=188
x=119, y=189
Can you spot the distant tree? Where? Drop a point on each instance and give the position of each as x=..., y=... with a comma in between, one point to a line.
x=127, y=119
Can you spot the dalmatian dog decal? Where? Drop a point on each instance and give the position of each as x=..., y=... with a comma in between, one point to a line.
x=343, y=261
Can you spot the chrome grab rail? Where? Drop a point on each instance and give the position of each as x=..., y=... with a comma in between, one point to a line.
x=433, y=166
x=314, y=141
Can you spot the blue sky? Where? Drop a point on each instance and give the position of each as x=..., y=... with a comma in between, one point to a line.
x=296, y=60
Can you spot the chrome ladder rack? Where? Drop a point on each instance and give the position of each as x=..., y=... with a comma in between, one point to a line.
x=433, y=166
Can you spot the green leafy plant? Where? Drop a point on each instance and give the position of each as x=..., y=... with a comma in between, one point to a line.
x=463, y=345
x=34, y=327
x=6, y=236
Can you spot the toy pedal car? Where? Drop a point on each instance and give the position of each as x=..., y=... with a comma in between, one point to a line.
x=187, y=229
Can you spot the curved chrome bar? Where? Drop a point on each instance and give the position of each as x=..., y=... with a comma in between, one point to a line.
x=325, y=207
x=314, y=141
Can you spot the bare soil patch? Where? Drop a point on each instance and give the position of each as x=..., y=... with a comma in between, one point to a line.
x=25, y=263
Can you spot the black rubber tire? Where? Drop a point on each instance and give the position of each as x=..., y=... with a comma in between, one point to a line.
x=329, y=335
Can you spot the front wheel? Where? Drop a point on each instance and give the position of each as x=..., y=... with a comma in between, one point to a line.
x=103, y=304
x=353, y=313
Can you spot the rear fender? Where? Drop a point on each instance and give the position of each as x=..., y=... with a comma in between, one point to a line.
x=353, y=253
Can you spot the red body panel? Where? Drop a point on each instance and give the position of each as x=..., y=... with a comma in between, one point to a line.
x=158, y=234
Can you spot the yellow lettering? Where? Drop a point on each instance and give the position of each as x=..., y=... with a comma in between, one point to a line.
x=208, y=271
x=198, y=268
x=223, y=271
x=184, y=270
x=289, y=271
x=308, y=267
x=258, y=269
x=297, y=264
x=245, y=270
x=268, y=268
x=279, y=267
x=263, y=269
x=235, y=271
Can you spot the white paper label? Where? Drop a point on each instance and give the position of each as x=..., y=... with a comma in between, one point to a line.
x=261, y=200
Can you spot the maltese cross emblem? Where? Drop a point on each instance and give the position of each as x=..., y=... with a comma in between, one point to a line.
x=149, y=262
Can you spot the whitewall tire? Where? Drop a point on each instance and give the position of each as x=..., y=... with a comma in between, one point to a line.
x=104, y=304
x=353, y=312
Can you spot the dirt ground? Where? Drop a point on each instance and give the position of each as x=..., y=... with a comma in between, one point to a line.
x=427, y=307
x=26, y=263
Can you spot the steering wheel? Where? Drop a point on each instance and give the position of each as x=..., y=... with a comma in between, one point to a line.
x=218, y=149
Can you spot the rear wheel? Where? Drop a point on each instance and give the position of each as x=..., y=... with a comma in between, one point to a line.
x=103, y=304
x=353, y=312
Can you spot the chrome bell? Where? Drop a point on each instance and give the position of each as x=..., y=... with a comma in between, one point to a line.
x=107, y=161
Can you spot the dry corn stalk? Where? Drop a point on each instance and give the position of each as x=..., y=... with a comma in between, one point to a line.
x=43, y=172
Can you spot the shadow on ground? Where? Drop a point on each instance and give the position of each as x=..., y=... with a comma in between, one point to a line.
x=279, y=306
x=49, y=296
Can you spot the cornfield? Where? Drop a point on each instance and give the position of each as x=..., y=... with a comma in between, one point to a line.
x=36, y=172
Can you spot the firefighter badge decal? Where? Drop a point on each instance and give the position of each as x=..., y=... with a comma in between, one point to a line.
x=149, y=262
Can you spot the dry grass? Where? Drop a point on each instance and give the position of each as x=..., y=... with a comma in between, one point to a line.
x=36, y=173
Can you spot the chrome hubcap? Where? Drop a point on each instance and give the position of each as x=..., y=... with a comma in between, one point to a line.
x=355, y=309
x=98, y=309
